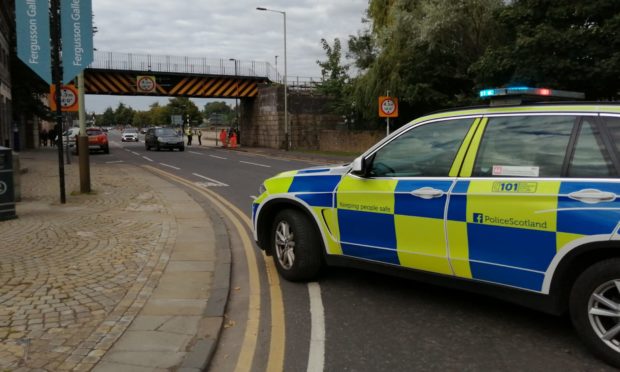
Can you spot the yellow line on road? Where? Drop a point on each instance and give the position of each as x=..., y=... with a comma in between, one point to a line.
x=275, y=361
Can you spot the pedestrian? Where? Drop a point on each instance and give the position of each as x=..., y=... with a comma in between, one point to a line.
x=189, y=136
x=51, y=134
x=199, y=135
x=223, y=137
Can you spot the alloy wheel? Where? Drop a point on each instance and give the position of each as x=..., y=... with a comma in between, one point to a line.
x=604, y=313
x=284, y=245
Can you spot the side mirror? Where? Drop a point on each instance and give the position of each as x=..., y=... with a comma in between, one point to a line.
x=358, y=166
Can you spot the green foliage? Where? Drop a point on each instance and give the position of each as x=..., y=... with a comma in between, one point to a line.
x=107, y=119
x=123, y=115
x=567, y=44
x=423, y=53
x=219, y=113
x=185, y=107
x=335, y=78
x=435, y=54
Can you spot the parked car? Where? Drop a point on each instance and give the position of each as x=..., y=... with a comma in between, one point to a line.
x=70, y=135
x=163, y=138
x=97, y=140
x=130, y=135
x=519, y=202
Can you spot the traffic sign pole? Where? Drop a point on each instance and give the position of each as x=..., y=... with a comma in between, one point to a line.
x=83, y=139
x=57, y=78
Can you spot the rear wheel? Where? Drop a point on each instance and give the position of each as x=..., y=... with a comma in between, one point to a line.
x=296, y=246
x=595, y=309
x=106, y=149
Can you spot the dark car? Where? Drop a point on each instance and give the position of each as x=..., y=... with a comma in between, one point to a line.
x=163, y=138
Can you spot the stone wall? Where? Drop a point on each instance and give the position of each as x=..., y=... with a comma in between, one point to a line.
x=348, y=141
x=262, y=119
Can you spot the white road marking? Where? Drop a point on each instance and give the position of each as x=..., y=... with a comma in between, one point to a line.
x=170, y=166
x=210, y=179
x=252, y=197
x=316, y=358
x=194, y=152
x=260, y=165
x=145, y=158
x=218, y=157
x=135, y=153
x=114, y=161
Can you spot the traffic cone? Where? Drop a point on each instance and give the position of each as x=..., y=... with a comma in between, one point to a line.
x=233, y=141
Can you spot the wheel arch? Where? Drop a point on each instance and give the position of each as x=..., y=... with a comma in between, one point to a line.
x=267, y=212
x=575, y=262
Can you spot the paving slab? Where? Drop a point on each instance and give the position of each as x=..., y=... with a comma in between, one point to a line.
x=115, y=280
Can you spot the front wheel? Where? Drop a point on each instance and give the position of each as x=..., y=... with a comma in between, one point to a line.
x=296, y=246
x=595, y=309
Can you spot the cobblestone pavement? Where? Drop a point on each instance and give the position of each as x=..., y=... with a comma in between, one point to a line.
x=74, y=276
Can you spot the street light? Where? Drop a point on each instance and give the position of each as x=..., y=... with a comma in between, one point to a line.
x=236, y=94
x=286, y=129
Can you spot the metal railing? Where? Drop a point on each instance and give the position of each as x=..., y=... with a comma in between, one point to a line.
x=194, y=65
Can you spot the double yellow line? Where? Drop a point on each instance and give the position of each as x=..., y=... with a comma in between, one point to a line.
x=275, y=362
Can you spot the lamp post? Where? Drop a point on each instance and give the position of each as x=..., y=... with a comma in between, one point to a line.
x=277, y=77
x=286, y=126
x=236, y=94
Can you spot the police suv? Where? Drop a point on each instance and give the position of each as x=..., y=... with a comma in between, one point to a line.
x=521, y=202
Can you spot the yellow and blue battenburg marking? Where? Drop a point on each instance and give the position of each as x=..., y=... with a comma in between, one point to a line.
x=496, y=230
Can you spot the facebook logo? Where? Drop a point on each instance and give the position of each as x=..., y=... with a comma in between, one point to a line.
x=478, y=217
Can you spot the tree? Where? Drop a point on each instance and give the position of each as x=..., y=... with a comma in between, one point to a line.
x=107, y=119
x=123, y=114
x=218, y=112
x=424, y=50
x=334, y=77
x=185, y=107
x=564, y=44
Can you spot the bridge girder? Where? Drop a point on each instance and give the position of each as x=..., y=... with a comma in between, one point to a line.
x=118, y=82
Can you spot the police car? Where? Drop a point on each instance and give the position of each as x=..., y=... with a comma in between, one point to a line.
x=516, y=201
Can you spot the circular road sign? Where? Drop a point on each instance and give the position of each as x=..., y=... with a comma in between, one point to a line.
x=68, y=97
x=388, y=107
x=146, y=84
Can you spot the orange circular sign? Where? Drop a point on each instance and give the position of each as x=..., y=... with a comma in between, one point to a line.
x=388, y=107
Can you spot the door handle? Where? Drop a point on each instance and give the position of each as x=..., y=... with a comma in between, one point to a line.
x=592, y=196
x=427, y=193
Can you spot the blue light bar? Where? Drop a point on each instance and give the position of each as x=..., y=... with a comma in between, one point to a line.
x=528, y=91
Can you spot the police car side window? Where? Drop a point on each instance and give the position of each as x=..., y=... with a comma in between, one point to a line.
x=424, y=151
x=590, y=159
x=524, y=146
x=613, y=127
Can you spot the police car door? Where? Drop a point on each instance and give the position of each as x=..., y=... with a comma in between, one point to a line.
x=503, y=216
x=394, y=213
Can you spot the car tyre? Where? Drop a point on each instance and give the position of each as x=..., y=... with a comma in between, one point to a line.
x=182, y=148
x=295, y=246
x=595, y=309
x=147, y=147
x=157, y=148
x=106, y=149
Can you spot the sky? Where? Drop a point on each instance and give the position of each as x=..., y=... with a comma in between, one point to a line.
x=222, y=29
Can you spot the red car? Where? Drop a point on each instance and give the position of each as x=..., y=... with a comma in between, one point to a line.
x=97, y=140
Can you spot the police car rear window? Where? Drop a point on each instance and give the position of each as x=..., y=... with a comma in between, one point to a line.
x=524, y=146
x=590, y=158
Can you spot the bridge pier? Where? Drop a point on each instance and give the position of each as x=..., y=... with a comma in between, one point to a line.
x=262, y=118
